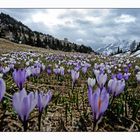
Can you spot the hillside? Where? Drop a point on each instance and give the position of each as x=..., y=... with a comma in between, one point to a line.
x=8, y=46
x=17, y=32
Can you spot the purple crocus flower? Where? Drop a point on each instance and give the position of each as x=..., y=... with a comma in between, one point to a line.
x=91, y=82
x=2, y=88
x=99, y=101
x=126, y=76
x=74, y=75
x=23, y=104
x=43, y=67
x=78, y=67
x=19, y=77
x=56, y=71
x=28, y=71
x=43, y=100
x=101, y=79
x=126, y=70
x=137, y=69
x=84, y=69
x=129, y=65
x=102, y=70
x=113, y=76
x=36, y=71
x=116, y=86
x=49, y=71
x=119, y=76
x=96, y=72
x=138, y=77
x=62, y=72
x=6, y=69
x=11, y=66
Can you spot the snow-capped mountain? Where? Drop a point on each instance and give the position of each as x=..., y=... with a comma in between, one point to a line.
x=129, y=54
x=122, y=45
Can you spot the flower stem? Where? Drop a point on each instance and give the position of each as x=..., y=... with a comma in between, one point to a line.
x=39, y=120
x=77, y=102
x=25, y=124
x=66, y=112
x=94, y=125
x=73, y=85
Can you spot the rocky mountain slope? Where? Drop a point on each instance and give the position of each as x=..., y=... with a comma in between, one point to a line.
x=119, y=46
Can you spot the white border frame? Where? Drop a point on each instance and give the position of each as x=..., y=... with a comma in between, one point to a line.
x=70, y=3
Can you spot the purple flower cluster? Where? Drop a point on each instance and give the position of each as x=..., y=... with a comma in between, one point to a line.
x=24, y=104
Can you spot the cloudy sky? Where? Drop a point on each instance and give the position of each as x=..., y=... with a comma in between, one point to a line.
x=92, y=27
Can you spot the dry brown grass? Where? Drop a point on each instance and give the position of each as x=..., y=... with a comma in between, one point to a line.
x=8, y=46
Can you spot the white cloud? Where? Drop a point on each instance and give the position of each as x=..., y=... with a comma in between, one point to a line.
x=94, y=20
x=79, y=40
x=108, y=39
x=81, y=32
x=125, y=19
x=50, y=17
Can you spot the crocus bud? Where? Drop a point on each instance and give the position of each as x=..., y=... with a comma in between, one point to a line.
x=138, y=77
x=43, y=100
x=101, y=79
x=74, y=75
x=91, y=82
x=99, y=101
x=19, y=77
x=116, y=86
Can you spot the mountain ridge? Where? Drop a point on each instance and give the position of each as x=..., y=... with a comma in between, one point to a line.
x=120, y=45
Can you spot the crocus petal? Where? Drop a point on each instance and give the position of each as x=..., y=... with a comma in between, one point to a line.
x=33, y=101
x=25, y=106
x=90, y=95
x=101, y=79
x=17, y=103
x=2, y=88
x=105, y=100
x=48, y=97
x=120, y=87
x=96, y=95
x=40, y=102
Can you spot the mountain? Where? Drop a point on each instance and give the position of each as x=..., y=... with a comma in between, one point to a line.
x=128, y=54
x=118, y=47
x=17, y=32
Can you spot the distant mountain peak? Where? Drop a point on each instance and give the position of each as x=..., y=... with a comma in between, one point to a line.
x=113, y=47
